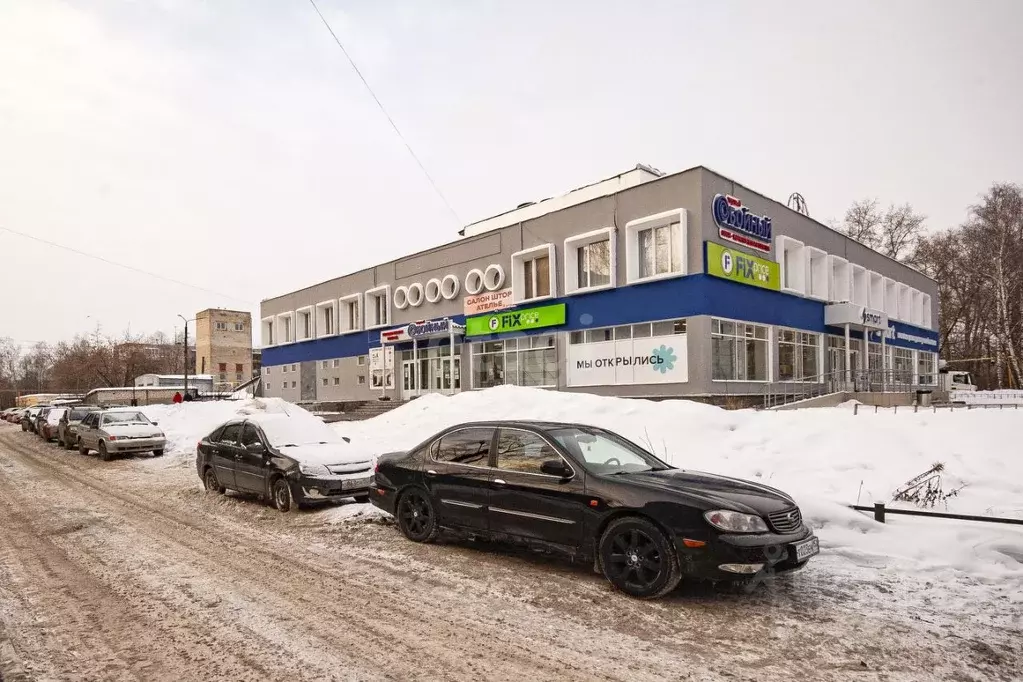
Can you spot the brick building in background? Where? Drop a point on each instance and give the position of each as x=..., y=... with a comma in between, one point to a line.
x=223, y=345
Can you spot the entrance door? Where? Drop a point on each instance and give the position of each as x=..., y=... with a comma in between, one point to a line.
x=409, y=385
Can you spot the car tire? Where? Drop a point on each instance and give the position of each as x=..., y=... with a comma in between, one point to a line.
x=69, y=444
x=281, y=497
x=638, y=559
x=103, y=453
x=82, y=450
x=157, y=453
x=211, y=482
x=417, y=518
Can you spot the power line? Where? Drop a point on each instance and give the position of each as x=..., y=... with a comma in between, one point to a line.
x=122, y=265
x=388, y=116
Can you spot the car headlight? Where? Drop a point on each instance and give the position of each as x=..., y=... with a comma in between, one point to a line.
x=735, y=522
x=314, y=469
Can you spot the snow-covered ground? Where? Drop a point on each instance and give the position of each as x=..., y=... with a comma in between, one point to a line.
x=827, y=458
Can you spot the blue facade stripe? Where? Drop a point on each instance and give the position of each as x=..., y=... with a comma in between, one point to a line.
x=698, y=294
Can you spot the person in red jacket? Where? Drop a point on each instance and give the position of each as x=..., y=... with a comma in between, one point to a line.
x=177, y=397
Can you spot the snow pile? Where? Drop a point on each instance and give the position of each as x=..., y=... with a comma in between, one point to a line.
x=820, y=456
x=185, y=424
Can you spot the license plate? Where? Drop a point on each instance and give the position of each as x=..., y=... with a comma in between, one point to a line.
x=355, y=483
x=805, y=550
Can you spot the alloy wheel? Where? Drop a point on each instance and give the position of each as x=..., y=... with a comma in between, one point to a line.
x=635, y=560
x=415, y=516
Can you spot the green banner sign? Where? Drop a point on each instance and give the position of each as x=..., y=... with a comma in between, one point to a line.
x=516, y=320
x=740, y=267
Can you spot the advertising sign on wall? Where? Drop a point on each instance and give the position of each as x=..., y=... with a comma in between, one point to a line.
x=654, y=360
x=488, y=301
x=421, y=329
x=739, y=267
x=516, y=320
x=736, y=223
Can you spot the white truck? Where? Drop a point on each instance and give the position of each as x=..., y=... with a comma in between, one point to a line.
x=955, y=380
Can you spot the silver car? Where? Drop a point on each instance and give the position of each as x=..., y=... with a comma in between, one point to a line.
x=119, y=432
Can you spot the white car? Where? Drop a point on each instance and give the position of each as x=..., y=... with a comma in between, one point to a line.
x=119, y=432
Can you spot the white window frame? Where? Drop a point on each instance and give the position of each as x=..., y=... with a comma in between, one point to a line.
x=299, y=312
x=770, y=352
x=821, y=350
x=268, y=328
x=449, y=287
x=925, y=304
x=282, y=338
x=793, y=280
x=342, y=318
x=495, y=282
x=875, y=290
x=840, y=276
x=415, y=295
x=860, y=285
x=432, y=290
x=321, y=322
x=519, y=259
x=634, y=227
x=905, y=302
x=383, y=291
x=891, y=298
x=401, y=301
x=474, y=281
x=917, y=311
x=818, y=274
x=573, y=246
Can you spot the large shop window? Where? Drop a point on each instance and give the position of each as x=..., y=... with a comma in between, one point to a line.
x=646, y=353
x=925, y=368
x=740, y=351
x=522, y=361
x=798, y=356
x=902, y=365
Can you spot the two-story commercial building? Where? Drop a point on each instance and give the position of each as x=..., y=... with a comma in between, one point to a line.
x=644, y=284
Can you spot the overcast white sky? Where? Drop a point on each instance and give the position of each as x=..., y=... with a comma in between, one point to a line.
x=229, y=145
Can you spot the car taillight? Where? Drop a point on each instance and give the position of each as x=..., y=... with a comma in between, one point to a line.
x=112, y=438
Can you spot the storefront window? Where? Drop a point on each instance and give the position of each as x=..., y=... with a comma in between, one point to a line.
x=644, y=353
x=739, y=351
x=798, y=354
x=925, y=368
x=523, y=361
x=902, y=365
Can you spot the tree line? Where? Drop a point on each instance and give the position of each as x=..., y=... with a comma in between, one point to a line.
x=86, y=362
x=978, y=266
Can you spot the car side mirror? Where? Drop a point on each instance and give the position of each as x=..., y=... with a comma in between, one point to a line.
x=555, y=467
x=255, y=448
x=155, y=423
x=346, y=439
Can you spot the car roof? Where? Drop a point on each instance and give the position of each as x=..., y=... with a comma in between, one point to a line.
x=534, y=424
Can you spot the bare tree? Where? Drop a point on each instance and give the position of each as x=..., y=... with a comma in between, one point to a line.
x=893, y=231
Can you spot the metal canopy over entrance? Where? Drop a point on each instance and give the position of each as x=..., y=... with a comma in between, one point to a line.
x=850, y=316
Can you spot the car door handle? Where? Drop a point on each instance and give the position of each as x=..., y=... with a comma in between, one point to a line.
x=238, y=457
x=499, y=481
x=431, y=472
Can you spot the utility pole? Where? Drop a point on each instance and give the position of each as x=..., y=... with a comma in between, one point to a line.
x=185, y=354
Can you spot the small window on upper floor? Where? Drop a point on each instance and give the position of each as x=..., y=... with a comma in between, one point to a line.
x=590, y=261
x=533, y=273
x=378, y=307
x=655, y=246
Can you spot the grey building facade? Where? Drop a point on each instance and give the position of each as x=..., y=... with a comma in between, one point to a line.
x=644, y=285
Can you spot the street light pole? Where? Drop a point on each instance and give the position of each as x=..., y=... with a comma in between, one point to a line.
x=185, y=353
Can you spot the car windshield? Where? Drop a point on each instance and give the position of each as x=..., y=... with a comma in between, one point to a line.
x=78, y=414
x=54, y=415
x=287, y=431
x=605, y=453
x=125, y=418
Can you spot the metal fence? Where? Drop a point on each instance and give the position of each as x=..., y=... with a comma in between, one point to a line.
x=854, y=381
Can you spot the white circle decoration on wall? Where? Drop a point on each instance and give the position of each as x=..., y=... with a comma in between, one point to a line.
x=473, y=282
x=401, y=298
x=493, y=278
x=449, y=287
x=433, y=292
x=415, y=295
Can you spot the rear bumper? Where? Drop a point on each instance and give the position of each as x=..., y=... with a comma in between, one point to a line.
x=384, y=498
x=775, y=553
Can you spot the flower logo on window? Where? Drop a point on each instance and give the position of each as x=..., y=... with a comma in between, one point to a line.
x=663, y=359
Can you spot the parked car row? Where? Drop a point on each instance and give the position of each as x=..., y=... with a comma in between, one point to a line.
x=107, y=431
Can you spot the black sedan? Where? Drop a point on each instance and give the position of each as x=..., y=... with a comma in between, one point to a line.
x=291, y=460
x=645, y=524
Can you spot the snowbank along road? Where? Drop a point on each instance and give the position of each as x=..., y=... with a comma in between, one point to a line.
x=128, y=571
